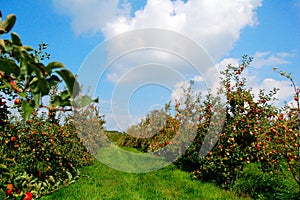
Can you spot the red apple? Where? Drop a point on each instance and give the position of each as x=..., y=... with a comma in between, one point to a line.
x=17, y=101
x=258, y=147
x=13, y=139
x=28, y=196
x=10, y=189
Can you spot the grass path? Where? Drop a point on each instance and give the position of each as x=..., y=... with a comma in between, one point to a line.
x=168, y=183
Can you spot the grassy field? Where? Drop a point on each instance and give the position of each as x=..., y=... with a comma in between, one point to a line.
x=102, y=182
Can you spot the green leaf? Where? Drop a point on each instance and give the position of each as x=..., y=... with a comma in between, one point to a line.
x=2, y=166
x=39, y=86
x=56, y=101
x=27, y=109
x=40, y=69
x=33, y=83
x=52, y=179
x=45, y=184
x=35, y=67
x=44, y=86
x=64, y=95
x=70, y=177
x=59, y=101
x=23, y=94
x=8, y=23
x=38, y=186
x=69, y=79
x=16, y=40
x=37, y=98
x=53, y=80
x=85, y=100
x=28, y=48
x=2, y=194
x=282, y=73
x=26, y=68
x=2, y=45
x=53, y=65
x=9, y=67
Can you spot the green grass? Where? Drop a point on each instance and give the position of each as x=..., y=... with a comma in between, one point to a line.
x=258, y=185
x=130, y=159
x=114, y=136
x=103, y=182
x=168, y=183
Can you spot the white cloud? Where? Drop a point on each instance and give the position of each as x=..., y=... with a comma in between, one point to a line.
x=90, y=16
x=268, y=59
x=178, y=92
x=147, y=66
x=222, y=65
x=198, y=85
x=285, y=89
x=292, y=104
x=214, y=24
x=119, y=122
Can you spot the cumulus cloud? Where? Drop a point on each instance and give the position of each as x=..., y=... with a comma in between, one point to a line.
x=285, y=89
x=214, y=24
x=178, y=92
x=150, y=65
x=90, y=16
x=268, y=59
x=221, y=66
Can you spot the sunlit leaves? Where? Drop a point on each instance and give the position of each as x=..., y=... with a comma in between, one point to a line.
x=32, y=79
x=7, y=24
x=27, y=109
x=16, y=40
x=70, y=81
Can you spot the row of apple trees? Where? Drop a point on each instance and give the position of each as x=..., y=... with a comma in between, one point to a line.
x=253, y=130
x=38, y=154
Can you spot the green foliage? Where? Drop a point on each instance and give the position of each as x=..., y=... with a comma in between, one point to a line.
x=7, y=24
x=246, y=118
x=153, y=133
x=254, y=131
x=43, y=156
x=287, y=146
x=261, y=185
x=24, y=77
x=114, y=136
x=38, y=155
x=89, y=124
x=4, y=112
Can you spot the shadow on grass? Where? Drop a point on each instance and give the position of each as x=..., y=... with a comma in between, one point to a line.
x=130, y=160
x=261, y=185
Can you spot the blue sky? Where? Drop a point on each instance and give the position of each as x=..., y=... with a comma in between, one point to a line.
x=269, y=30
